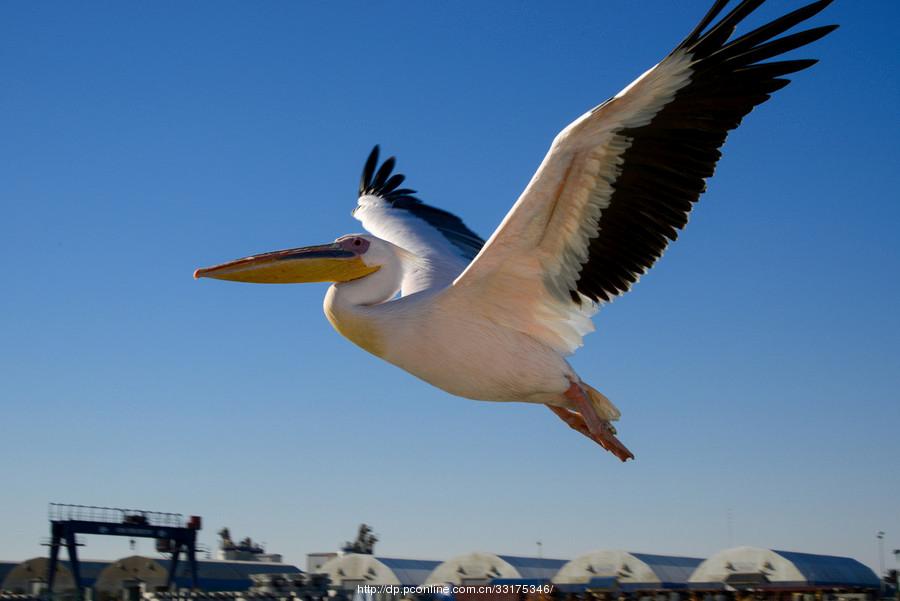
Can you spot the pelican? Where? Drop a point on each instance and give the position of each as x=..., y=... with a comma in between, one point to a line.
x=495, y=320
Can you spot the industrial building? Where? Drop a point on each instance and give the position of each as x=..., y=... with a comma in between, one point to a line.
x=766, y=571
x=737, y=574
x=214, y=575
x=30, y=576
x=5, y=568
x=621, y=570
x=129, y=577
x=482, y=568
x=350, y=570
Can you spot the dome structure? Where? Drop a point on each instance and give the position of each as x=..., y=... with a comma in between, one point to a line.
x=481, y=568
x=622, y=567
x=746, y=566
x=128, y=572
x=30, y=576
x=349, y=570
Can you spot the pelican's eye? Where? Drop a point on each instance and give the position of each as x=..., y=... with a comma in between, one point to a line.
x=355, y=244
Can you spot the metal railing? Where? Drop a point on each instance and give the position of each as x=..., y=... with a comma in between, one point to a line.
x=59, y=512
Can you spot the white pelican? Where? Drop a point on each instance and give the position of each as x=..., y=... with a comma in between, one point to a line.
x=494, y=321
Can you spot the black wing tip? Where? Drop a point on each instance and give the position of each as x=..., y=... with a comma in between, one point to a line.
x=380, y=180
x=710, y=35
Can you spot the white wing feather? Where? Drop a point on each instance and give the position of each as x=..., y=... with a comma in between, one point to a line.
x=522, y=277
x=435, y=261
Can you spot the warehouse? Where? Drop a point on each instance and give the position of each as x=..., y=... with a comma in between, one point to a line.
x=130, y=576
x=5, y=568
x=783, y=572
x=30, y=576
x=350, y=570
x=481, y=568
x=621, y=570
x=151, y=574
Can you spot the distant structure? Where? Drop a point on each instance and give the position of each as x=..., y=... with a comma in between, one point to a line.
x=348, y=571
x=364, y=543
x=134, y=578
x=753, y=568
x=624, y=570
x=172, y=533
x=245, y=550
x=314, y=561
x=247, y=573
x=475, y=569
x=305, y=586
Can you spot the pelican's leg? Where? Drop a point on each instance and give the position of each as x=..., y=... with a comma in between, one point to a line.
x=572, y=418
x=601, y=431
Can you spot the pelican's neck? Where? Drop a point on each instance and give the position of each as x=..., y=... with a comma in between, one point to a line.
x=353, y=307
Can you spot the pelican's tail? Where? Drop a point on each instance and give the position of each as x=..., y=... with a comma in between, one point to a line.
x=602, y=405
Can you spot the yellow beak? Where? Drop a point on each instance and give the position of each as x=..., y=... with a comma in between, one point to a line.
x=324, y=263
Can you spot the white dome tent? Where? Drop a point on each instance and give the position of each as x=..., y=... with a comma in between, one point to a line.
x=755, y=567
x=350, y=570
x=619, y=568
x=481, y=568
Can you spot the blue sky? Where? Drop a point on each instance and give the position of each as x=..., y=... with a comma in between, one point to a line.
x=757, y=366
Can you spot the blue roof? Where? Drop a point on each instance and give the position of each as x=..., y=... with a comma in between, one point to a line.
x=670, y=568
x=521, y=581
x=595, y=583
x=6, y=567
x=410, y=572
x=831, y=570
x=88, y=570
x=534, y=567
x=227, y=575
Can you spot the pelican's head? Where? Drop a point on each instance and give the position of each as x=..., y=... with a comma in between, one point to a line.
x=348, y=258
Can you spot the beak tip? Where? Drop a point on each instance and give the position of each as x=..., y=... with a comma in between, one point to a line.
x=198, y=274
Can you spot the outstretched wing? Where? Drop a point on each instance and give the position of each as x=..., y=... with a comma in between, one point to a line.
x=440, y=241
x=618, y=183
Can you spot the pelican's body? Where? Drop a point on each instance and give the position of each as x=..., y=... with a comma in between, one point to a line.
x=411, y=332
x=495, y=320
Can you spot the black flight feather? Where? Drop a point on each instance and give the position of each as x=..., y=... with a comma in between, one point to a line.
x=665, y=167
x=385, y=186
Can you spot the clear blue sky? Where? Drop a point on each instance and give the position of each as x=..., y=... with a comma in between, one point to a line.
x=757, y=366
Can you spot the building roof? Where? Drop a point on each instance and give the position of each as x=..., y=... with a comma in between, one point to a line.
x=829, y=569
x=540, y=568
x=410, y=572
x=361, y=568
x=219, y=575
x=5, y=568
x=13, y=575
x=628, y=568
x=486, y=567
x=670, y=568
x=766, y=567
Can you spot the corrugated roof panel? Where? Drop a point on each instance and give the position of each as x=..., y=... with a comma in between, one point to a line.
x=534, y=567
x=89, y=569
x=6, y=567
x=829, y=569
x=410, y=572
x=228, y=575
x=670, y=568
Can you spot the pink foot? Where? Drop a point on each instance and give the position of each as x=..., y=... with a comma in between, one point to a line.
x=601, y=431
x=572, y=418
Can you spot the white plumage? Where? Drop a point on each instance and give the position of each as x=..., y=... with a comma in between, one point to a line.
x=494, y=321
